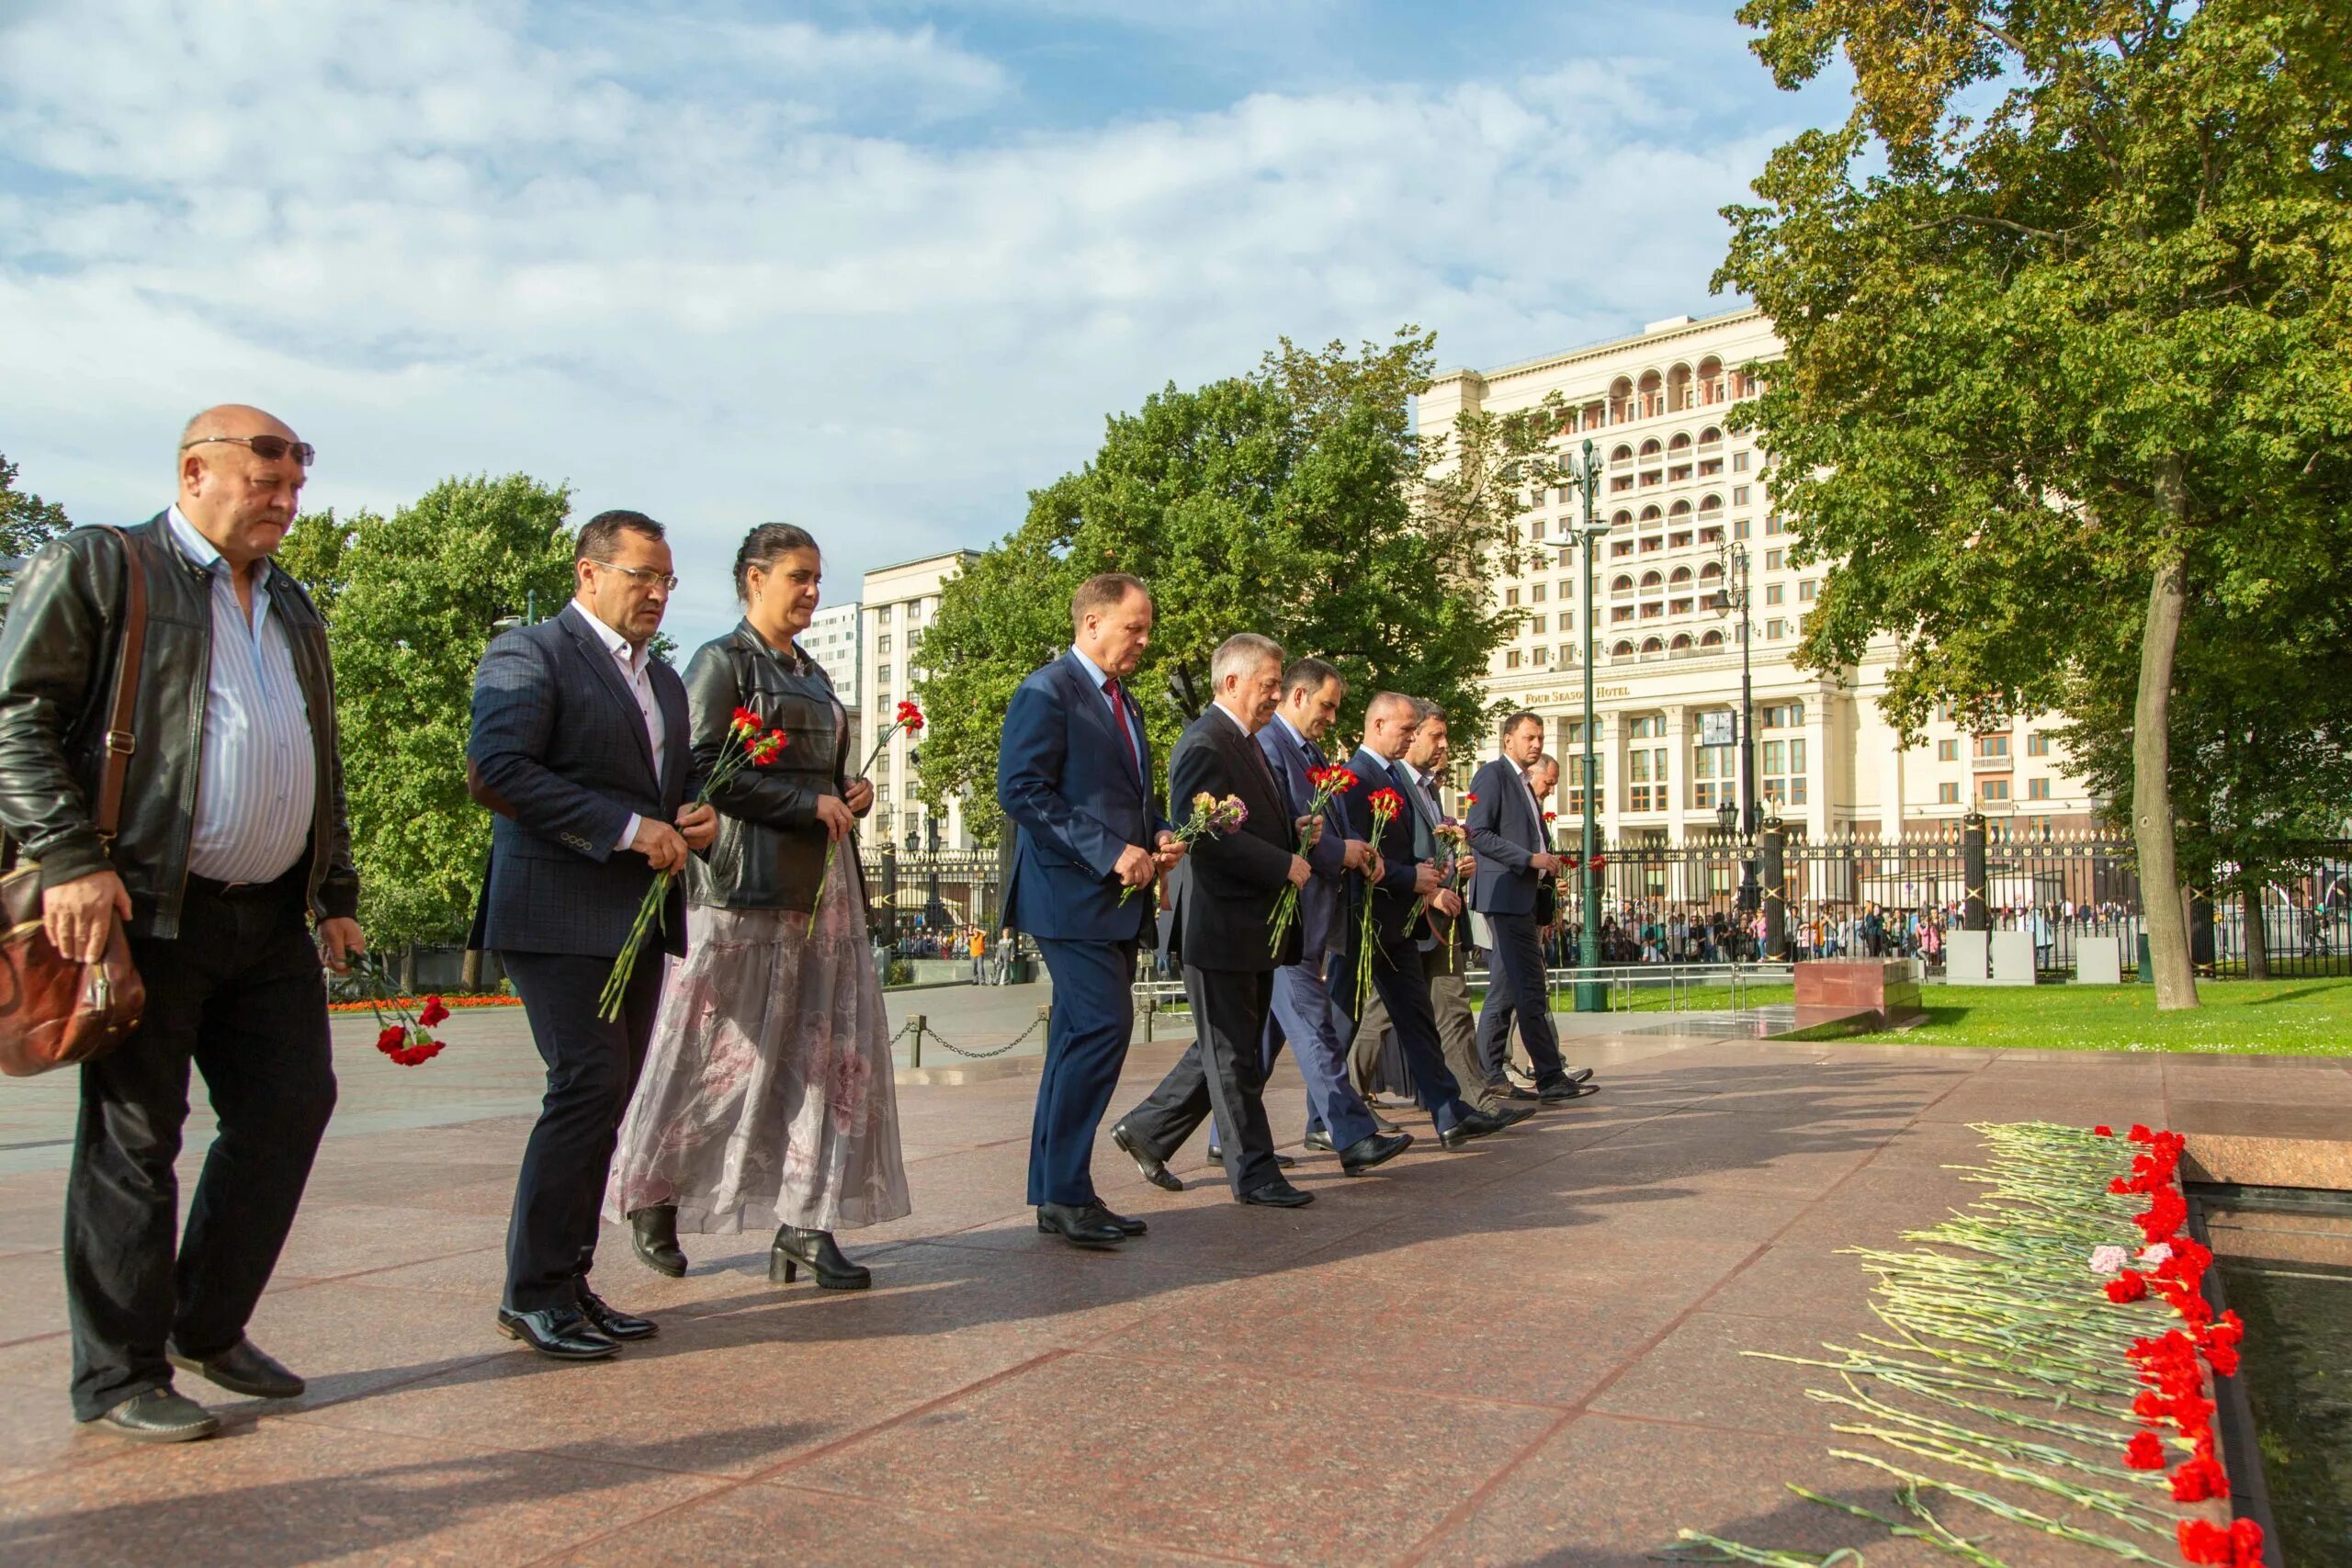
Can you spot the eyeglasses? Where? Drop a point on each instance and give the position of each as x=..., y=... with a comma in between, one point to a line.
x=645, y=577
x=268, y=448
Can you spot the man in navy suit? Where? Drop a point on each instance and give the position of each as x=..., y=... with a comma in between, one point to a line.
x=1074, y=775
x=1402, y=877
x=1506, y=829
x=579, y=745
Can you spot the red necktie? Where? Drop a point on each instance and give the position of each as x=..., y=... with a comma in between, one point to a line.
x=1119, y=713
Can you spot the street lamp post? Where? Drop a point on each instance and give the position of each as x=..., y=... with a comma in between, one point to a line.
x=1734, y=594
x=1584, y=476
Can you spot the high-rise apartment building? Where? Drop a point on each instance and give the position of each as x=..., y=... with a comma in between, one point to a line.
x=1680, y=492
x=832, y=639
x=900, y=603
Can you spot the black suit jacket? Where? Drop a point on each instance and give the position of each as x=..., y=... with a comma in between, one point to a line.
x=558, y=738
x=1392, y=899
x=1225, y=904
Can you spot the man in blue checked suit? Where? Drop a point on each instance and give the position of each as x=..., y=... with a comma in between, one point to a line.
x=579, y=745
x=1074, y=776
x=1506, y=829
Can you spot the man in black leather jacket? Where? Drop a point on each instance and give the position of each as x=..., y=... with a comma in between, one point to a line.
x=231, y=841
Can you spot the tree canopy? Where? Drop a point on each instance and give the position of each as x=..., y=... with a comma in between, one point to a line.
x=26, y=521
x=1296, y=501
x=409, y=600
x=2067, y=304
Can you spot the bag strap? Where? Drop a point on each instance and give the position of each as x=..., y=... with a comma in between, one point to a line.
x=121, y=741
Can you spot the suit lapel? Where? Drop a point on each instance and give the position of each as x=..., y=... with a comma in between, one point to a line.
x=600, y=660
x=1090, y=700
x=677, y=736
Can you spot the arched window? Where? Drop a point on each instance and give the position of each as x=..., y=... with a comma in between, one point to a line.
x=1681, y=643
x=1651, y=580
x=1622, y=648
x=1710, y=435
x=1711, y=380
x=1652, y=514
x=1681, y=576
x=1712, y=639
x=1679, y=510
x=1652, y=647
x=1678, y=389
x=1711, y=503
x=1650, y=448
x=1711, y=572
x=1622, y=455
x=1681, y=445
x=1621, y=519
x=1621, y=584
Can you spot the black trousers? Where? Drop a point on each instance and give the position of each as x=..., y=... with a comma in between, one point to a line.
x=592, y=1071
x=238, y=994
x=1403, y=987
x=1224, y=1070
x=1518, y=989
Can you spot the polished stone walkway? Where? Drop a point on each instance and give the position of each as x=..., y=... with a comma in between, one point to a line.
x=1527, y=1352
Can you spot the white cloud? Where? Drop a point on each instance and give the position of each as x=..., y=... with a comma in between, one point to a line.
x=677, y=263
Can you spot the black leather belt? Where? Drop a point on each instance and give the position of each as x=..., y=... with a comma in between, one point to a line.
x=245, y=892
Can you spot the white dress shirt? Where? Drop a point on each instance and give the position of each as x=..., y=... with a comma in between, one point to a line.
x=635, y=667
x=256, y=782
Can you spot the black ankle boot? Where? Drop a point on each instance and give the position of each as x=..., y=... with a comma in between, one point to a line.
x=814, y=1250
x=653, y=1236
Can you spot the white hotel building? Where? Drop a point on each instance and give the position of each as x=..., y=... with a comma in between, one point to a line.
x=1679, y=491
x=898, y=605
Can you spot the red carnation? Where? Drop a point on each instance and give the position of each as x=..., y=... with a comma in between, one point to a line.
x=1551, y=816
x=2144, y=1452
x=2199, y=1479
x=436, y=1011
x=391, y=1038
x=2127, y=1287
x=2103, y=1131
x=1470, y=797
x=910, y=716
x=2140, y=1133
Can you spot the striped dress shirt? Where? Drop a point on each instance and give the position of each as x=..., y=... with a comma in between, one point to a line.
x=256, y=790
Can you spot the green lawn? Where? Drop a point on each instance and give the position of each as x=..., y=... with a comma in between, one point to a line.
x=2309, y=1017
x=2286, y=1018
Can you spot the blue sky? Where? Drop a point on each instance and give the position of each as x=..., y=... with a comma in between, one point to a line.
x=876, y=268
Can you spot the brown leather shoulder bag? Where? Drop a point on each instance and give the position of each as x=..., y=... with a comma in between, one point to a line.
x=55, y=1012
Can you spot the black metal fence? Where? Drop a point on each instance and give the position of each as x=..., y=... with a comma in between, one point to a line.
x=1714, y=900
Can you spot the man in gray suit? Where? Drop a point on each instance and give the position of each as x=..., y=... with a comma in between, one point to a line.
x=581, y=746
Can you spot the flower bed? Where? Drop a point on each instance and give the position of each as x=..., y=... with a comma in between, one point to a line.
x=2049, y=1366
x=454, y=1004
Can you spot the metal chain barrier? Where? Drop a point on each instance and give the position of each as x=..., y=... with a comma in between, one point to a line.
x=920, y=1026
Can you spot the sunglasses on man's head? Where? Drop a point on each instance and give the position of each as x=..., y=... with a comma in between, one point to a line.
x=268, y=448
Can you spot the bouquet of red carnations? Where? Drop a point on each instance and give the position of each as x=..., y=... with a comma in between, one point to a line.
x=910, y=719
x=745, y=747
x=1386, y=806
x=1210, y=818
x=407, y=1038
x=1330, y=784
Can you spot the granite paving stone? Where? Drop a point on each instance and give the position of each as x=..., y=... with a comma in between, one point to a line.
x=1529, y=1351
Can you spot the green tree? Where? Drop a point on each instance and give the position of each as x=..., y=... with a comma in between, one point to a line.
x=1296, y=502
x=411, y=600
x=2059, y=368
x=26, y=521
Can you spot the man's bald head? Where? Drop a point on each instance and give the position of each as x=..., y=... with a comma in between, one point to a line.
x=1389, y=724
x=241, y=500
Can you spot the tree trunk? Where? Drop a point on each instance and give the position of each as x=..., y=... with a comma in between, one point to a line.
x=469, y=972
x=2257, y=935
x=2152, y=820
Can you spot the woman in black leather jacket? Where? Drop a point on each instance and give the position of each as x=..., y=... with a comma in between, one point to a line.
x=767, y=1093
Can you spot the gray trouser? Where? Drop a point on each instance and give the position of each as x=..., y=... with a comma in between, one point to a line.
x=1457, y=1032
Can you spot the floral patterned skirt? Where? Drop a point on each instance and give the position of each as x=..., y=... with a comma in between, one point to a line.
x=767, y=1097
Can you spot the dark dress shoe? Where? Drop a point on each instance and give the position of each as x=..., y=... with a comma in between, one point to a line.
x=159, y=1415
x=1383, y=1124
x=1515, y=1093
x=1285, y=1162
x=1565, y=1089
x=1080, y=1225
x=1155, y=1170
x=244, y=1368
x=611, y=1324
x=1480, y=1123
x=1318, y=1138
x=1127, y=1226
x=1372, y=1150
x=1579, y=1075
x=816, y=1251
x=654, y=1236
x=562, y=1332
x=1277, y=1194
